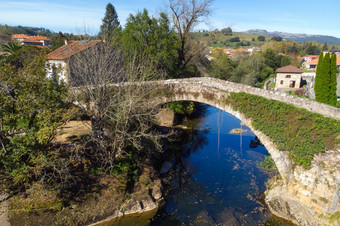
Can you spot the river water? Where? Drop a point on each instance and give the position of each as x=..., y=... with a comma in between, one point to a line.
x=218, y=181
x=215, y=177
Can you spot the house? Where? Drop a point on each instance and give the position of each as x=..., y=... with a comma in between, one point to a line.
x=307, y=59
x=288, y=78
x=335, y=51
x=37, y=40
x=314, y=63
x=61, y=58
x=243, y=52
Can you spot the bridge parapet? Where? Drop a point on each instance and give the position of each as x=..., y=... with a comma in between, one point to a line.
x=310, y=105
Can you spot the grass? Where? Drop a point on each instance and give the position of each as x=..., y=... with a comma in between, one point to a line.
x=219, y=39
x=296, y=130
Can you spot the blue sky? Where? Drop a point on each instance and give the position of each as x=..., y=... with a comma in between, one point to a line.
x=296, y=16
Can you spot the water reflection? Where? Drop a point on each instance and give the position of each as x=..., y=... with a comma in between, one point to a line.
x=216, y=180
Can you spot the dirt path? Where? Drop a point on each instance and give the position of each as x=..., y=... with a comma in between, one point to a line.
x=71, y=129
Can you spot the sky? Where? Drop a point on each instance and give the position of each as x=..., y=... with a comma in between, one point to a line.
x=75, y=16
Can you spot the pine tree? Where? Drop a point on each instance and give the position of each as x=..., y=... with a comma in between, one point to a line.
x=318, y=79
x=110, y=26
x=332, y=97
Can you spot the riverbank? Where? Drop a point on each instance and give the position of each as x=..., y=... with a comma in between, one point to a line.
x=109, y=199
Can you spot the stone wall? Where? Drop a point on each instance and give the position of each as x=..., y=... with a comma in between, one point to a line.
x=311, y=196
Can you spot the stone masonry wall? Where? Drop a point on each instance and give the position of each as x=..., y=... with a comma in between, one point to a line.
x=310, y=105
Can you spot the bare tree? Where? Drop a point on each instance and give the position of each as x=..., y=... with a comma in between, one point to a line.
x=185, y=15
x=120, y=115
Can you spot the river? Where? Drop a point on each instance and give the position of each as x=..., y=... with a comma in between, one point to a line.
x=215, y=179
x=219, y=182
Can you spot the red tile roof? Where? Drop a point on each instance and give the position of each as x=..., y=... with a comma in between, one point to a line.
x=289, y=69
x=66, y=51
x=315, y=61
x=36, y=37
x=19, y=36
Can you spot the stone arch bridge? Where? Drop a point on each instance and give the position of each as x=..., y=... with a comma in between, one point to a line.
x=300, y=187
x=209, y=90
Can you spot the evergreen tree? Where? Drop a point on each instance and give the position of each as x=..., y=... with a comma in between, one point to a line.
x=332, y=97
x=152, y=37
x=110, y=26
x=326, y=72
x=325, y=80
x=318, y=79
x=325, y=47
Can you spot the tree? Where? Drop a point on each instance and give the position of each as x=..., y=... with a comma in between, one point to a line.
x=277, y=38
x=261, y=38
x=58, y=41
x=325, y=80
x=235, y=39
x=110, y=26
x=227, y=31
x=222, y=66
x=325, y=47
x=121, y=118
x=153, y=38
x=31, y=109
x=332, y=97
x=185, y=15
x=319, y=80
x=10, y=50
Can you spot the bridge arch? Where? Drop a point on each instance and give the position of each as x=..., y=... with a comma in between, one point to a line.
x=211, y=96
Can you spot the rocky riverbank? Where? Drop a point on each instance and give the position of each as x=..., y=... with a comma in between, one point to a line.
x=309, y=197
x=112, y=199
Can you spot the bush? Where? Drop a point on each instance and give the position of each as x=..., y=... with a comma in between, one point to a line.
x=261, y=38
x=235, y=39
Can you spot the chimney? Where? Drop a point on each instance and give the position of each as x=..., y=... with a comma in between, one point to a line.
x=66, y=42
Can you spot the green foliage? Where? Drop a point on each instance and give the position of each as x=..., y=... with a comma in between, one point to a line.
x=277, y=38
x=10, y=50
x=31, y=109
x=182, y=107
x=335, y=217
x=235, y=39
x=58, y=41
x=9, y=30
x=153, y=38
x=325, y=80
x=110, y=24
x=268, y=165
x=222, y=66
x=332, y=97
x=298, y=131
x=261, y=38
x=227, y=31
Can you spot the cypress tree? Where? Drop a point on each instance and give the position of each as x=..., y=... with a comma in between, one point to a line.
x=326, y=72
x=318, y=79
x=332, y=97
x=110, y=26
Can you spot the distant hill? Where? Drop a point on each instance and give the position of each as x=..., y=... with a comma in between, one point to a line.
x=301, y=38
x=9, y=30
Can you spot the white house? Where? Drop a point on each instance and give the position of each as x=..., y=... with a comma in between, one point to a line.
x=60, y=58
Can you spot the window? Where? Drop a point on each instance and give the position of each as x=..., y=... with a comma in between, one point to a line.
x=281, y=82
x=288, y=76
